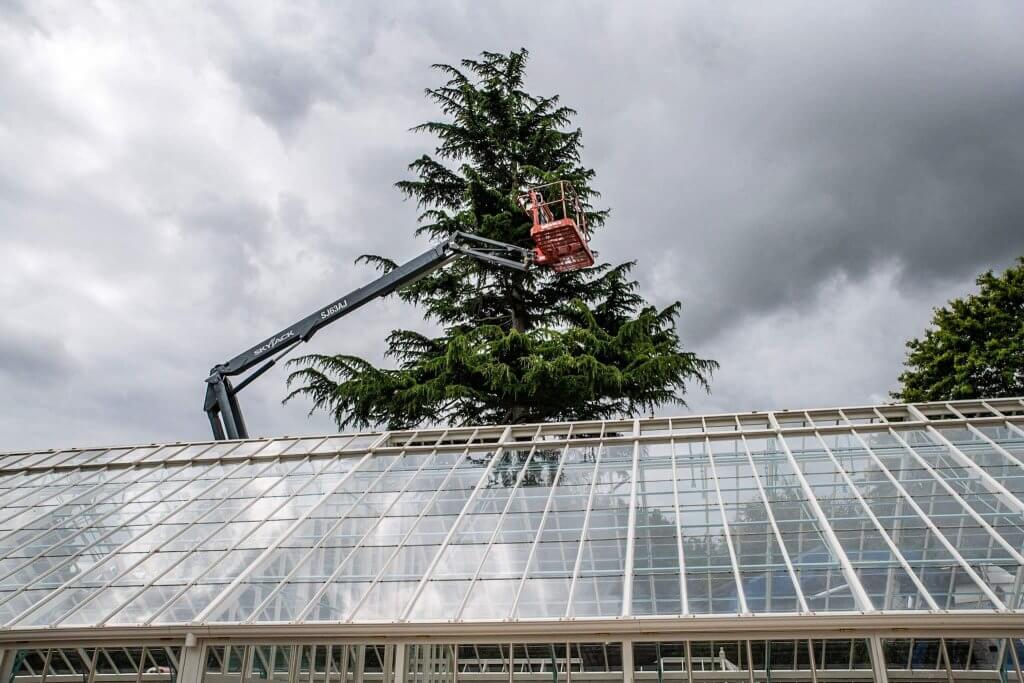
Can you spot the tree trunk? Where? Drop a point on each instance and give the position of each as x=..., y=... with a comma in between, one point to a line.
x=520, y=323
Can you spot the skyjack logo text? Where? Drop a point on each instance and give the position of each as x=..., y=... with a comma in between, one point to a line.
x=273, y=342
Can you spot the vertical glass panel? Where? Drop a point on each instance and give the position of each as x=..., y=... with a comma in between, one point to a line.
x=320, y=564
x=97, y=609
x=288, y=602
x=897, y=653
x=141, y=607
x=600, y=596
x=386, y=601
x=710, y=583
x=543, y=597
x=1009, y=439
x=459, y=561
x=877, y=567
x=602, y=556
x=491, y=599
x=950, y=586
x=440, y=599
x=49, y=612
x=336, y=602
x=656, y=594
x=711, y=592
x=973, y=541
x=189, y=604
x=767, y=585
x=557, y=545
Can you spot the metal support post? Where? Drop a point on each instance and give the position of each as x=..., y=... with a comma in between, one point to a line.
x=878, y=665
x=814, y=661
x=944, y=656
x=627, y=662
x=627, y=579
x=142, y=665
x=7, y=658
x=388, y=662
x=1011, y=645
x=190, y=669
x=360, y=663
x=400, y=665
x=91, y=675
x=293, y=663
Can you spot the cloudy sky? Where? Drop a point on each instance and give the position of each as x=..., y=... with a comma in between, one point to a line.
x=178, y=181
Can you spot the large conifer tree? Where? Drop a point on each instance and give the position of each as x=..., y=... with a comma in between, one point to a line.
x=515, y=347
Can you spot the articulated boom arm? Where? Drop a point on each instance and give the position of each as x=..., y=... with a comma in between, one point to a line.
x=221, y=403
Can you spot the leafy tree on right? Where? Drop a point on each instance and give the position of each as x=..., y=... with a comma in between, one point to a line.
x=975, y=346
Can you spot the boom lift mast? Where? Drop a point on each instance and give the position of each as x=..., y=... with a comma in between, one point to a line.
x=221, y=404
x=559, y=231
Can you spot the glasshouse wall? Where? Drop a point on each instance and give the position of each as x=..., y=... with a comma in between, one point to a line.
x=841, y=659
x=871, y=543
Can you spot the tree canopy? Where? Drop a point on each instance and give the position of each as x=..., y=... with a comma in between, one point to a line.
x=974, y=347
x=515, y=346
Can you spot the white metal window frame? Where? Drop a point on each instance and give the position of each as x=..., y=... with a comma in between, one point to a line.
x=857, y=421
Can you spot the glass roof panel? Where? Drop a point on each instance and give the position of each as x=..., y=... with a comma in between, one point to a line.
x=824, y=510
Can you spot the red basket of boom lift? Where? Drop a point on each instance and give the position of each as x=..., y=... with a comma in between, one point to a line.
x=559, y=227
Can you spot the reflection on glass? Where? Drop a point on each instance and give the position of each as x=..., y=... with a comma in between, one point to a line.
x=699, y=515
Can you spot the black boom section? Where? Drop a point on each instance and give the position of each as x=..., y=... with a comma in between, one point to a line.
x=221, y=404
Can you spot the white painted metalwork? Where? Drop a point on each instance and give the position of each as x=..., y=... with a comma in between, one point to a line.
x=583, y=535
x=627, y=579
x=859, y=594
x=932, y=527
x=683, y=598
x=428, y=573
x=884, y=535
x=956, y=496
x=727, y=534
x=69, y=583
x=540, y=528
x=775, y=529
x=71, y=512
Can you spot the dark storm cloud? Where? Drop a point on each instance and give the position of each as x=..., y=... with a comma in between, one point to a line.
x=31, y=358
x=810, y=180
x=831, y=146
x=17, y=12
x=279, y=86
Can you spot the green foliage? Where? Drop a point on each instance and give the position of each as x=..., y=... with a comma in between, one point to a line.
x=516, y=346
x=975, y=347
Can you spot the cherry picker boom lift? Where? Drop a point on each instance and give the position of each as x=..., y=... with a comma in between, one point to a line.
x=559, y=233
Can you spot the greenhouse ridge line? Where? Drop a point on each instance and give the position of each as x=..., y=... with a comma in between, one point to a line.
x=684, y=427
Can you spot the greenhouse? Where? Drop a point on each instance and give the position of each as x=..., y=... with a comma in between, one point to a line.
x=869, y=543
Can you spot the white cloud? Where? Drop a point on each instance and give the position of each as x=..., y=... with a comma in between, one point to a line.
x=844, y=347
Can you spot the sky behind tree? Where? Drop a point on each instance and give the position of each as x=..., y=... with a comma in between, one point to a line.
x=810, y=180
